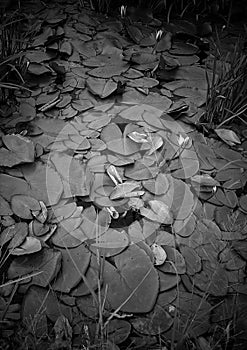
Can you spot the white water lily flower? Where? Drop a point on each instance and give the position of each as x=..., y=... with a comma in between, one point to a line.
x=123, y=11
x=159, y=254
x=113, y=174
x=138, y=137
x=182, y=141
x=114, y=214
x=159, y=34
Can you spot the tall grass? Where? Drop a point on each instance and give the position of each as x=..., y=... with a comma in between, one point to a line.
x=227, y=94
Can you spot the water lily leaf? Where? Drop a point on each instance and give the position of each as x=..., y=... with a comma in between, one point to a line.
x=185, y=227
x=29, y=246
x=228, y=136
x=168, y=296
x=165, y=43
x=168, y=281
x=117, y=142
x=63, y=211
x=140, y=171
x=122, y=190
x=4, y=207
x=38, y=69
x=19, y=150
x=143, y=58
x=155, y=142
x=108, y=71
x=65, y=237
x=192, y=260
x=112, y=239
x=174, y=263
x=179, y=197
x=44, y=182
x=193, y=313
x=212, y=279
x=137, y=112
x=101, y=87
x=143, y=82
x=16, y=234
x=46, y=261
x=187, y=165
x=75, y=262
x=154, y=323
x=204, y=180
x=134, y=33
x=92, y=277
x=138, y=233
x=134, y=283
x=158, y=186
x=159, y=254
x=40, y=303
x=73, y=174
x=93, y=224
x=118, y=331
x=23, y=206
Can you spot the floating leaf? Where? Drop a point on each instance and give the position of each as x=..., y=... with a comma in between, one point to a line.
x=133, y=284
x=124, y=189
x=112, y=239
x=44, y=182
x=23, y=206
x=159, y=212
x=4, y=207
x=19, y=150
x=118, y=142
x=46, y=262
x=101, y=87
x=174, y=263
x=29, y=246
x=157, y=186
x=118, y=331
x=154, y=323
x=75, y=262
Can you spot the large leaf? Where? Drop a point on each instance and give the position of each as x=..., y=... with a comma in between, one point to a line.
x=44, y=182
x=117, y=142
x=46, y=262
x=101, y=87
x=40, y=304
x=73, y=174
x=133, y=284
x=19, y=150
x=154, y=323
x=75, y=262
x=22, y=206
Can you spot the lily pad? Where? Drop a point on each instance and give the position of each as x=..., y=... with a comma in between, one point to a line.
x=46, y=263
x=133, y=284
